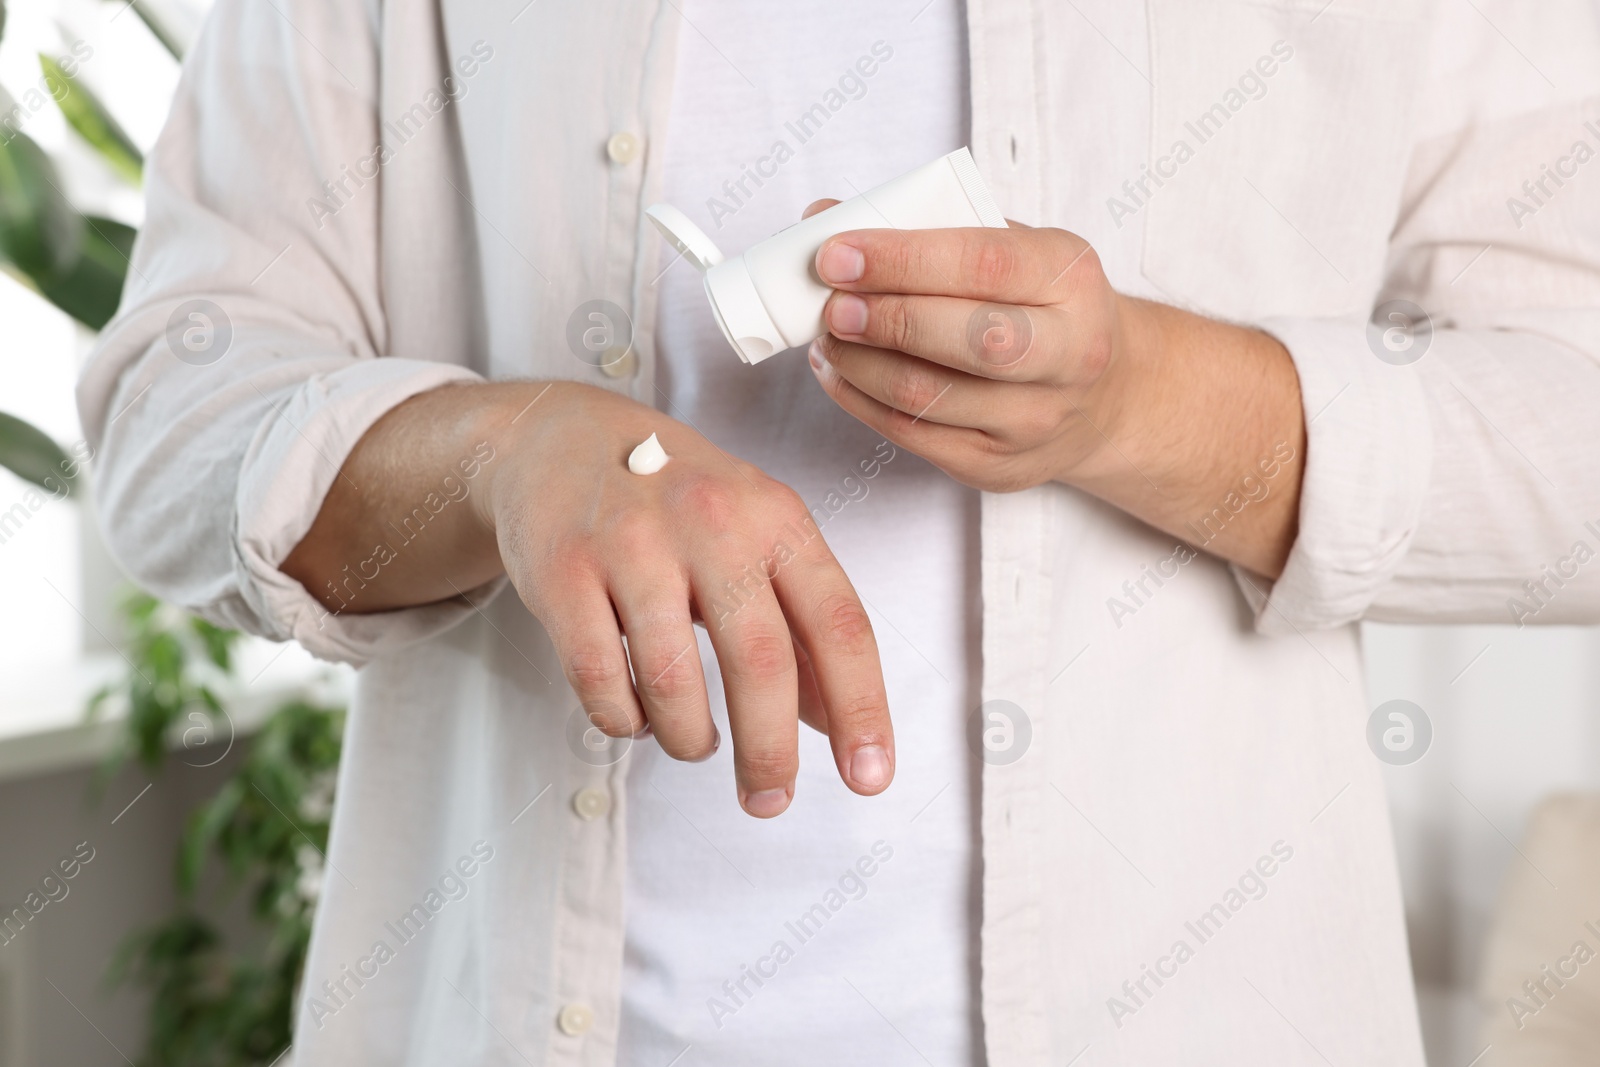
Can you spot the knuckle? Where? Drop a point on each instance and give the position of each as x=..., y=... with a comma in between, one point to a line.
x=788, y=509
x=709, y=501
x=1093, y=268
x=668, y=681
x=771, y=489
x=1035, y=422
x=593, y=670
x=912, y=389
x=891, y=260
x=765, y=655
x=860, y=711
x=1079, y=264
x=894, y=322
x=844, y=624
x=1095, y=358
x=765, y=765
x=992, y=264
x=779, y=507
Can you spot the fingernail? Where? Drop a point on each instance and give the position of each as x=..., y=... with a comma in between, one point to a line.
x=847, y=314
x=767, y=803
x=716, y=743
x=839, y=262
x=819, y=362
x=869, y=767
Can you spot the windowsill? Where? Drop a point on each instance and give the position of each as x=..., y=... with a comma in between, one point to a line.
x=42, y=723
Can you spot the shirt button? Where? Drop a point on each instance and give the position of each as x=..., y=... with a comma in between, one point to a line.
x=575, y=1019
x=591, y=803
x=623, y=148
x=614, y=364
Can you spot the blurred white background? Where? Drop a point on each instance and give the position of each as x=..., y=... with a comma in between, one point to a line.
x=1516, y=716
x=1514, y=712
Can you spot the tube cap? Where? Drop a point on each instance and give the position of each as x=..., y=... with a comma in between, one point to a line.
x=681, y=233
x=738, y=309
x=735, y=304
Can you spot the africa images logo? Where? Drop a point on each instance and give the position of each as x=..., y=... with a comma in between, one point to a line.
x=1399, y=732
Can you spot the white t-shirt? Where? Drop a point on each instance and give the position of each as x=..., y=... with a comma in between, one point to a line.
x=846, y=930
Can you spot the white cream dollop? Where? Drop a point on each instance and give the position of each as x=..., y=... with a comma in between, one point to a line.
x=648, y=457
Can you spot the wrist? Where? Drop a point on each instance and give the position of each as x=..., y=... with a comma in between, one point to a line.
x=508, y=416
x=1189, y=407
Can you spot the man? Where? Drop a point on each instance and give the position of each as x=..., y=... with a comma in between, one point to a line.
x=1134, y=818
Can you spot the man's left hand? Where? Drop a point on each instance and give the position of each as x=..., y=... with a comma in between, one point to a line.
x=1006, y=358
x=994, y=354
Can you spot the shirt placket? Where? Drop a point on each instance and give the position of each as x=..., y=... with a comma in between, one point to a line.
x=589, y=923
x=1007, y=144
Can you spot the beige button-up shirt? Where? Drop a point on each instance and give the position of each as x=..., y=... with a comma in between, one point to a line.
x=1190, y=861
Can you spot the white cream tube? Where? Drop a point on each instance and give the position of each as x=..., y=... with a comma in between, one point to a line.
x=770, y=298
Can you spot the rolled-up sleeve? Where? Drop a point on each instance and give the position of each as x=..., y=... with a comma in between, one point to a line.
x=1464, y=485
x=250, y=353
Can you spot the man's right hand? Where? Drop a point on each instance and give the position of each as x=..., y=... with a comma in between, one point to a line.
x=598, y=553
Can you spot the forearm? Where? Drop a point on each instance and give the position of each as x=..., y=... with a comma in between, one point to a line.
x=1207, y=441
x=405, y=522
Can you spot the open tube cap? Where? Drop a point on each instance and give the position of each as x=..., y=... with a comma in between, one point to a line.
x=735, y=304
x=681, y=233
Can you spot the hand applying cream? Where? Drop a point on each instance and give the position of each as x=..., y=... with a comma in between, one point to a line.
x=648, y=456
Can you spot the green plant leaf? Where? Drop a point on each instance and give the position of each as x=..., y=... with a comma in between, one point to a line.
x=92, y=289
x=205, y=825
x=214, y=1001
x=93, y=121
x=75, y=261
x=217, y=641
x=40, y=233
x=140, y=608
x=31, y=454
x=97, y=702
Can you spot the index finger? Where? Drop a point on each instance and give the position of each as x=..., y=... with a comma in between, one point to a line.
x=829, y=621
x=1019, y=265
